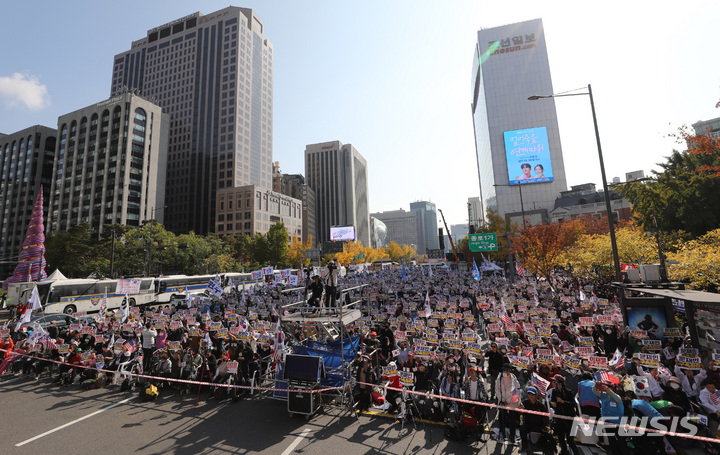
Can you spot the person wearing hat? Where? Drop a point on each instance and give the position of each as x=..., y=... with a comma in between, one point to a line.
x=562, y=401
x=316, y=290
x=532, y=423
x=675, y=394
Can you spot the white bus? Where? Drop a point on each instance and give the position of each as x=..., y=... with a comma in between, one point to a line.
x=79, y=295
x=170, y=288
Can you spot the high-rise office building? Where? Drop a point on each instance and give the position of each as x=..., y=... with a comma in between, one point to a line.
x=295, y=186
x=213, y=74
x=519, y=158
x=475, y=215
x=109, y=165
x=429, y=239
x=26, y=161
x=403, y=228
x=338, y=174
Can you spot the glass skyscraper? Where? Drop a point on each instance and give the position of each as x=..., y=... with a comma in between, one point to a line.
x=517, y=141
x=213, y=75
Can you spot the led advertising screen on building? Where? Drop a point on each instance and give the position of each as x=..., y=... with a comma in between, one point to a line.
x=528, y=156
x=342, y=233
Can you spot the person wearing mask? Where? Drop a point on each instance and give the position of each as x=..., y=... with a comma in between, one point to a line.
x=164, y=367
x=563, y=402
x=507, y=391
x=675, y=394
x=610, y=340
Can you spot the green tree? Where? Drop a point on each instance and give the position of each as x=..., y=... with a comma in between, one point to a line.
x=278, y=240
x=680, y=197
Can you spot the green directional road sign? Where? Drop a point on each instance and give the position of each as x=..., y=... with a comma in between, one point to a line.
x=483, y=242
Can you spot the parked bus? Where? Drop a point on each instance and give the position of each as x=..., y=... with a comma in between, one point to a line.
x=170, y=288
x=80, y=295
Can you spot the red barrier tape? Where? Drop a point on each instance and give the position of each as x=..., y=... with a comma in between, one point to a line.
x=429, y=395
x=547, y=414
x=182, y=381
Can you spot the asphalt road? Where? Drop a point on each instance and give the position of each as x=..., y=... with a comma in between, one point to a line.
x=174, y=424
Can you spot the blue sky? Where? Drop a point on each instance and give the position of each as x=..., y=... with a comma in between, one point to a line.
x=393, y=78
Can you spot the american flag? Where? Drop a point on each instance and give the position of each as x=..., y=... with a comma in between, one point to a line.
x=520, y=270
x=541, y=384
x=715, y=398
x=50, y=344
x=131, y=347
x=607, y=376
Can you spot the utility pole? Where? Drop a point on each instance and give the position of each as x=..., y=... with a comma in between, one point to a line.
x=112, y=256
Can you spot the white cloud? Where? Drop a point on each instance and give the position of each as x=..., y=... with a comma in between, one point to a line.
x=24, y=89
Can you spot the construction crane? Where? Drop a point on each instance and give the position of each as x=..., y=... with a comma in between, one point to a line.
x=452, y=245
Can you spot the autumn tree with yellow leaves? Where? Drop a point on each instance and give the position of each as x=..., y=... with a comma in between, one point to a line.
x=697, y=262
x=296, y=251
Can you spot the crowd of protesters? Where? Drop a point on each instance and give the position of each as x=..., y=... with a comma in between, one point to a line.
x=558, y=347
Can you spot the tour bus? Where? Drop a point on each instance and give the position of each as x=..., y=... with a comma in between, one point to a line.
x=85, y=295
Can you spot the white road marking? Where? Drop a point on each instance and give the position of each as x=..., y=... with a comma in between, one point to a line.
x=74, y=422
x=295, y=443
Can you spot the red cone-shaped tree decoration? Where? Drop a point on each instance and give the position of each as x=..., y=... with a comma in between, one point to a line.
x=31, y=262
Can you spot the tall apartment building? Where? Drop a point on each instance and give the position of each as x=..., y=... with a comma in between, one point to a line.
x=403, y=228
x=109, y=165
x=213, y=74
x=429, y=240
x=295, y=186
x=26, y=161
x=517, y=141
x=338, y=174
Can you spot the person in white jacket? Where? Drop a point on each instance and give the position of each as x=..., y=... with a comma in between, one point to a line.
x=710, y=400
x=655, y=379
x=507, y=391
x=691, y=382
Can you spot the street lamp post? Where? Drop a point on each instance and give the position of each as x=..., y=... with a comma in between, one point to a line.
x=522, y=204
x=608, y=208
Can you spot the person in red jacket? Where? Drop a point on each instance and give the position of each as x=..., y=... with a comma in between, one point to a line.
x=7, y=344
